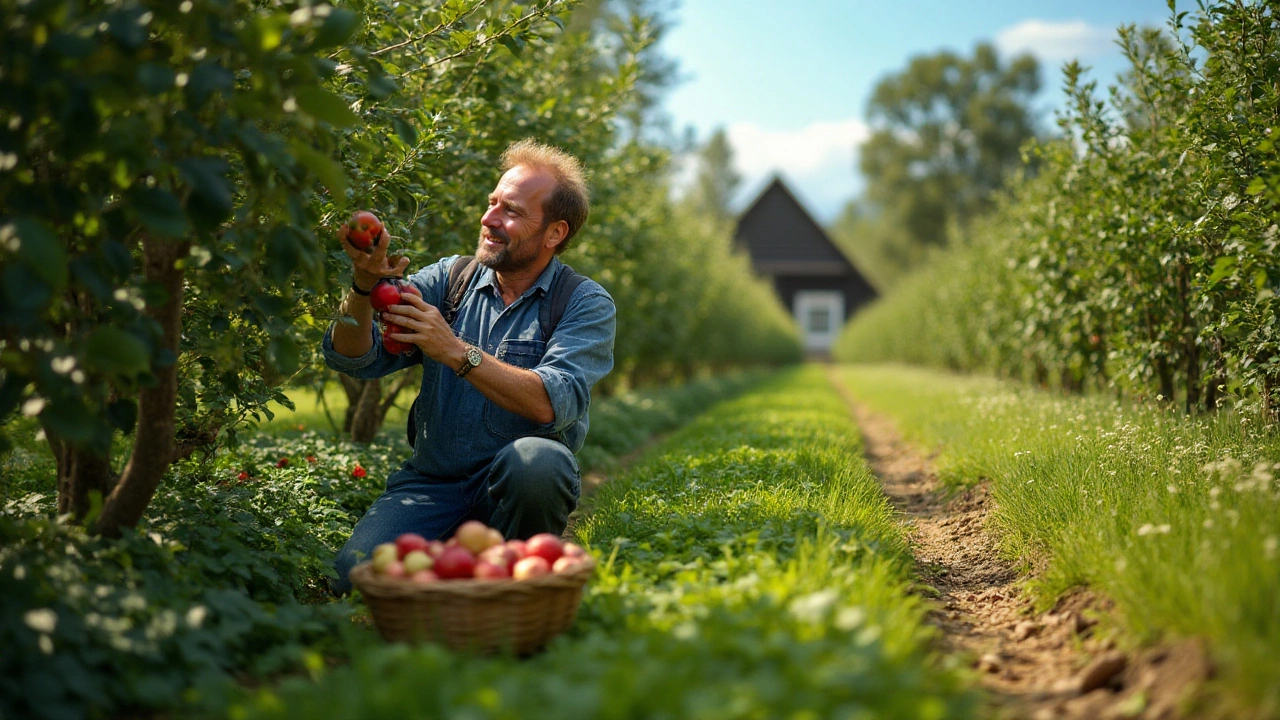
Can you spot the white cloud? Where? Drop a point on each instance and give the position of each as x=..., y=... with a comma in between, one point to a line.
x=1054, y=43
x=758, y=151
x=818, y=162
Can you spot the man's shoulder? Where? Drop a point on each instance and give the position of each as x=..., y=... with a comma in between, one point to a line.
x=587, y=287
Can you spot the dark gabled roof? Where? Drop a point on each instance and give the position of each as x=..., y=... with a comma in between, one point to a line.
x=783, y=239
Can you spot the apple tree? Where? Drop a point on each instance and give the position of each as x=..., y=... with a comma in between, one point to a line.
x=159, y=169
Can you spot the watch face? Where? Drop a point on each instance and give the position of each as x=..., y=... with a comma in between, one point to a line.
x=474, y=356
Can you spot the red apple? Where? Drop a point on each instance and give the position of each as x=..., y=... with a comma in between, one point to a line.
x=546, y=546
x=385, y=294
x=567, y=563
x=455, y=562
x=530, y=567
x=520, y=547
x=491, y=571
x=408, y=542
x=434, y=548
x=502, y=555
x=424, y=576
x=474, y=536
x=392, y=345
x=574, y=550
x=395, y=569
x=363, y=230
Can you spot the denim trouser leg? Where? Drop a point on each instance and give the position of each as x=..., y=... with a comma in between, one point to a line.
x=530, y=487
x=533, y=485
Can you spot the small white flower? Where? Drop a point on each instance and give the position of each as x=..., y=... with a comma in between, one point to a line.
x=42, y=620
x=196, y=615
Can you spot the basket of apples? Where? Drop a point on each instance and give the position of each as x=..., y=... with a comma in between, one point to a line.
x=474, y=591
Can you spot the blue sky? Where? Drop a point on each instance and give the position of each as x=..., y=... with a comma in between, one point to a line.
x=789, y=80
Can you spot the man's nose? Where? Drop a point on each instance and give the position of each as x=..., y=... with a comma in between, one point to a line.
x=490, y=217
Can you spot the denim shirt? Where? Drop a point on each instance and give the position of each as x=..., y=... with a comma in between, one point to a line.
x=459, y=429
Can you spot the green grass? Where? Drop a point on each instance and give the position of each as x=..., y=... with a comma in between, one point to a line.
x=1177, y=519
x=750, y=569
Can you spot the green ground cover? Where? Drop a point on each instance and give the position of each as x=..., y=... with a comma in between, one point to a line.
x=750, y=569
x=1175, y=518
x=226, y=577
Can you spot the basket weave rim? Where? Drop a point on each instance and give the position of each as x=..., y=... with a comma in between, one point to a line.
x=369, y=583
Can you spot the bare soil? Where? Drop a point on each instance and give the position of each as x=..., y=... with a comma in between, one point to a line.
x=1037, y=665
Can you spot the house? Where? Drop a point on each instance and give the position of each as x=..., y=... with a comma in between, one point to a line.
x=811, y=275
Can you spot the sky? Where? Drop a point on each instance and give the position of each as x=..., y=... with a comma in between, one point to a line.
x=789, y=80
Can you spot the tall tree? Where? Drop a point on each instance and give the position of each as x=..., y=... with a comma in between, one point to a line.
x=716, y=181
x=947, y=131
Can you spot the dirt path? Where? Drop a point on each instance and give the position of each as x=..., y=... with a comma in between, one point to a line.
x=1032, y=665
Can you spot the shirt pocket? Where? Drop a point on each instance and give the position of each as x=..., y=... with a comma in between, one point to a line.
x=524, y=354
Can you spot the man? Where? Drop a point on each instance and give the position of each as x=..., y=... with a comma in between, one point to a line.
x=500, y=412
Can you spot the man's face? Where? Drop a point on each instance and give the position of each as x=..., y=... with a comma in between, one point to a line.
x=513, y=229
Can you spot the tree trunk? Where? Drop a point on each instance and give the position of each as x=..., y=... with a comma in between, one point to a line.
x=153, y=444
x=363, y=401
x=80, y=474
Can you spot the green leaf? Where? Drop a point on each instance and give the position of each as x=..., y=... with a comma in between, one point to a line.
x=330, y=173
x=336, y=28
x=284, y=354
x=70, y=419
x=155, y=78
x=324, y=105
x=211, y=193
x=1222, y=267
x=115, y=352
x=205, y=79
x=160, y=211
x=405, y=131
x=1256, y=186
x=41, y=252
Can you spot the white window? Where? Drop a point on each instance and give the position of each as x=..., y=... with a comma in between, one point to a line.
x=819, y=314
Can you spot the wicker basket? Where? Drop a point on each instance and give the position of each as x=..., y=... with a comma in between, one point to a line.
x=476, y=615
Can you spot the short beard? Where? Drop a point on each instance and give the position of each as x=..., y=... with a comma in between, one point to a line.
x=503, y=260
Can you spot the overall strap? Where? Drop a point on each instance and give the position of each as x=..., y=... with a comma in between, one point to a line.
x=460, y=274
x=562, y=288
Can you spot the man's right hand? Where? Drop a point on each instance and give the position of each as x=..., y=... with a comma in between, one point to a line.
x=371, y=266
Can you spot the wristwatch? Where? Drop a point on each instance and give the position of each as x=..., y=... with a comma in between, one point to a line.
x=474, y=356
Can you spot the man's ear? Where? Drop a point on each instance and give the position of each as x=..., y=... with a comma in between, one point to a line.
x=556, y=233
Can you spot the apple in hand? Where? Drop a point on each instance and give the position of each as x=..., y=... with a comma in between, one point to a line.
x=387, y=291
x=384, y=294
x=392, y=345
x=363, y=230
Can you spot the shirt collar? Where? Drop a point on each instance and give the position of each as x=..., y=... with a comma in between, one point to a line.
x=489, y=279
